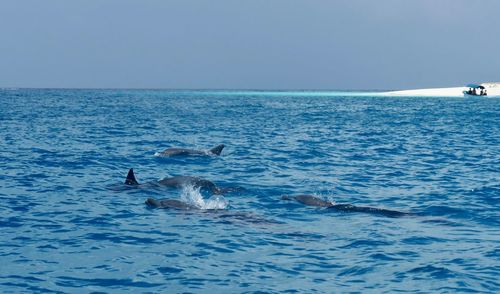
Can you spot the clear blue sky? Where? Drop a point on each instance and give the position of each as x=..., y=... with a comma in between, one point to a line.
x=257, y=44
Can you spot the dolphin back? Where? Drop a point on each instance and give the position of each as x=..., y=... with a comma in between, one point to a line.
x=153, y=202
x=312, y=200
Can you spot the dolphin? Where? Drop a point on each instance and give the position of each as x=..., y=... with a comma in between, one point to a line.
x=312, y=200
x=183, y=181
x=169, y=203
x=188, y=152
x=222, y=215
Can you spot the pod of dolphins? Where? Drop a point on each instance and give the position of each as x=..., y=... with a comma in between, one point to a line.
x=202, y=184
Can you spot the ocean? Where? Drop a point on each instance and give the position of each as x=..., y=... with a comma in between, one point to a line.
x=68, y=224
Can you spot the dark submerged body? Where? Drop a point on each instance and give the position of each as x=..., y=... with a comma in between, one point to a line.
x=221, y=215
x=368, y=209
x=312, y=200
x=169, y=203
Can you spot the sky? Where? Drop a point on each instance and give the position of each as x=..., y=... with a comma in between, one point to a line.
x=257, y=44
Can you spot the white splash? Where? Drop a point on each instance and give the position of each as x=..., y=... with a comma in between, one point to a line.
x=192, y=195
x=216, y=202
x=329, y=197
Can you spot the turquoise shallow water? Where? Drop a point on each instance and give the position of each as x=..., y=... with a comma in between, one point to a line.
x=68, y=224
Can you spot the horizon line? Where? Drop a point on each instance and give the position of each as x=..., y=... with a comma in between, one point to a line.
x=196, y=89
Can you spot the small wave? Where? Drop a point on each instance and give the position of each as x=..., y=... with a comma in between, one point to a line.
x=192, y=195
x=74, y=282
x=434, y=271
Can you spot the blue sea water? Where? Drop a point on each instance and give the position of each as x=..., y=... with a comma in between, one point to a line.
x=69, y=225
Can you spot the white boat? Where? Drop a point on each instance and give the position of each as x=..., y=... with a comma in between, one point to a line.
x=475, y=90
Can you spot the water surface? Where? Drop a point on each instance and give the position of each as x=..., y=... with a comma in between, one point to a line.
x=65, y=227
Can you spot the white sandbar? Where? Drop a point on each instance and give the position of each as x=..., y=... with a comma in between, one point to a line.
x=493, y=90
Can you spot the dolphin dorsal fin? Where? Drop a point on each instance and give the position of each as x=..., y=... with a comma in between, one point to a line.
x=131, y=178
x=217, y=149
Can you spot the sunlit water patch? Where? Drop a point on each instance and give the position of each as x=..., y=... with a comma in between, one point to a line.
x=69, y=224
